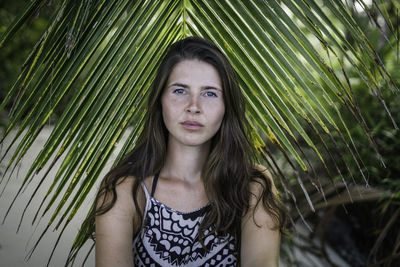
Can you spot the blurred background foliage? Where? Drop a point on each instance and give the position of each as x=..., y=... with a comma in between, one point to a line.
x=13, y=56
x=360, y=223
x=364, y=228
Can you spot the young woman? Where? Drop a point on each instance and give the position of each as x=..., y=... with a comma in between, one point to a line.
x=190, y=193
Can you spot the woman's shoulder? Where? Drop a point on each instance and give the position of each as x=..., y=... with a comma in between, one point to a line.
x=124, y=186
x=123, y=195
x=122, y=202
x=261, y=178
x=117, y=225
x=262, y=170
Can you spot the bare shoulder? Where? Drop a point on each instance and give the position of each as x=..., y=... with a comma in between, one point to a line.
x=260, y=239
x=125, y=202
x=116, y=227
x=124, y=190
x=264, y=171
x=258, y=185
x=123, y=194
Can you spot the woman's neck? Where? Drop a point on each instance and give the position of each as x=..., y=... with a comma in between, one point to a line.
x=185, y=162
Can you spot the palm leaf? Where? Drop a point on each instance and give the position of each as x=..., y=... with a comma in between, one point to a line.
x=289, y=56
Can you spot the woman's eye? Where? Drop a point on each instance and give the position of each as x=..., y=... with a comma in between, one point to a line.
x=178, y=91
x=212, y=94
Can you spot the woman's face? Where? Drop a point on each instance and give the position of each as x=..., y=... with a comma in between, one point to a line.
x=192, y=103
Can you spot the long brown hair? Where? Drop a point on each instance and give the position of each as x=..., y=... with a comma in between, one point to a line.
x=230, y=167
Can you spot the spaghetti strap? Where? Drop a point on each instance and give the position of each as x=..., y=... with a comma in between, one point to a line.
x=153, y=186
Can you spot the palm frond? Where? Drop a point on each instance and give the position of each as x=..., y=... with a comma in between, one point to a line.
x=100, y=57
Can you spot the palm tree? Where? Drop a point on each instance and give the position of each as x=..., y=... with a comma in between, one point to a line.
x=97, y=60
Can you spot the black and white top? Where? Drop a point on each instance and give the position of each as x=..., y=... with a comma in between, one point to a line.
x=170, y=238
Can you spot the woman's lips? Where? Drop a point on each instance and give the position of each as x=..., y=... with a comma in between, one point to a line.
x=192, y=125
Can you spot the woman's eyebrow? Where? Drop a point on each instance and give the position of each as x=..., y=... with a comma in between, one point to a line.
x=211, y=88
x=179, y=85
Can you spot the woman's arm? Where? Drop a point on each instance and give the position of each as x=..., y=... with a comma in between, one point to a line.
x=114, y=229
x=260, y=238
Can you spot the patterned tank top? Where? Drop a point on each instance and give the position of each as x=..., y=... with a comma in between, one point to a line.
x=170, y=238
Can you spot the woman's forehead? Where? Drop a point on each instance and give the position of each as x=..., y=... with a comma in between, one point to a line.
x=195, y=73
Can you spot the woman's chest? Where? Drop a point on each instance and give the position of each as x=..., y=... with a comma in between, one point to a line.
x=180, y=196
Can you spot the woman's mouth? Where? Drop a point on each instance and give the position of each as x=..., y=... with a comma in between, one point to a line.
x=192, y=125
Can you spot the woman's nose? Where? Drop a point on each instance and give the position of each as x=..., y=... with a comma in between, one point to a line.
x=193, y=105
